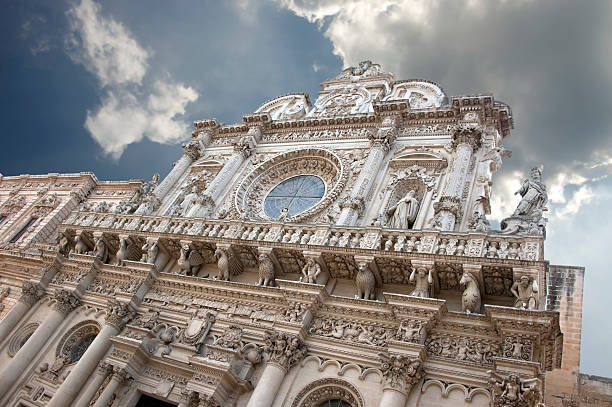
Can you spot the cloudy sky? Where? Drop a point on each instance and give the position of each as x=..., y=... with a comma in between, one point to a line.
x=112, y=87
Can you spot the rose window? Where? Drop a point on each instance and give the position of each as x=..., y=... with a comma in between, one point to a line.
x=297, y=194
x=334, y=403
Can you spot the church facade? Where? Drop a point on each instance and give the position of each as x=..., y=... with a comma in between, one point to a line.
x=327, y=254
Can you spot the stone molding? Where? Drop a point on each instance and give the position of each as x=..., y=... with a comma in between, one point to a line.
x=19, y=337
x=326, y=389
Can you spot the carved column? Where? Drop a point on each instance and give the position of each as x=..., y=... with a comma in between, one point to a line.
x=243, y=148
x=104, y=369
x=66, y=302
x=380, y=144
x=466, y=140
x=118, y=316
x=119, y=376
x=284, y=351
x=30, y=294
x=191, y=154
x=400, y=373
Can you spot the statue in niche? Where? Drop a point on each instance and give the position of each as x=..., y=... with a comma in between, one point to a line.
x=266, y=271
x=310, y=271
x=190, y=200
x=526, y=292
x=471, y=299
x=423, y=280
x=365, y=281
x=101, y=251
x=404, y=212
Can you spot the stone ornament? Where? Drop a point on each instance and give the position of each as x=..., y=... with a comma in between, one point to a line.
x=410, y=331
x=65, y=301
x=189, y=261
x=266, y=271
x=142, y=198
x=119, y=314
x=400, y=372
x=529, y=217
x=512, y=391
x=526, y=293
x=227, y=264
x=351, y=331
x=365, y=282
x=310, y=271
x=231, y=338
x=318, y=392
x=283, y=349
x=295, y=313
x=149, y=252
x=31, y=292
x=518, y=347
x=197, y=328
x=404, y=212
x=122, y=252
x=470, y=299
x=20, y=337
x=479, y=223
x=101, y=251
x=423, y=280
x=465, y=349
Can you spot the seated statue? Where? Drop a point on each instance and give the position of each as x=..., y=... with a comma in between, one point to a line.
x=404, y=212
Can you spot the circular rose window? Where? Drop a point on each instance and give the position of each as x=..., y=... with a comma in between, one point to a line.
x=297, y=194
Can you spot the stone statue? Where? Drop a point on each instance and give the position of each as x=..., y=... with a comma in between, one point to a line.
x=514, y=391
x=122, y=252
x=479, y=222
x=404, y=212
x=190, y=200
x=310, y=271
x=423, y=280
x=101, y=251
x=189, y=261
x=284, y=213
x=526, y=293
x=409, y=331
x=528, y=216
x=266, y=271
x=80, y=247
x=222, y=265
x=64, y=244
x=365, y=282
x=470, y=300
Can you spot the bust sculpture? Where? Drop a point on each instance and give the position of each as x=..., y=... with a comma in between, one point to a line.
x=404, y=212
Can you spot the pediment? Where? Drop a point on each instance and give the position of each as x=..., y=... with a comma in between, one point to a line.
x=425, y=158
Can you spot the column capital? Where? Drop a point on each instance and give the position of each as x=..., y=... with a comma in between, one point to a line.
x=467, y=133
x=119, y=314
x=120, y=374
x=192, y=150
x=400, y=372
x=31, y=292
x=386, y=134
x=284, y=349
x=66, y=301
x=245, y=145
x=104, y=369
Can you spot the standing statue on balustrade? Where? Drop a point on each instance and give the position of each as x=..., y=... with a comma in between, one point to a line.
x=404, y=212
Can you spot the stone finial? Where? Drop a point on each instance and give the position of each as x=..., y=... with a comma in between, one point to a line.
x=284, y=349
x=400, y=372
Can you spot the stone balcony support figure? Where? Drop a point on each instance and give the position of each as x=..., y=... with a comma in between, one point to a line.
x=102, y=372
x=118, y=316
x=284, y=351
x=466, y=140
x=380, y=144
x=66, y=302
x=119, y=376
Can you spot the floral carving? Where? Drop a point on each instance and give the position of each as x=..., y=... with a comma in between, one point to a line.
x=231, y=338
x=65, y=301
x=320, y=391
x=31, y=292
x=283, y=349
x=119, y=314
x=518, y=347
x=400, y=372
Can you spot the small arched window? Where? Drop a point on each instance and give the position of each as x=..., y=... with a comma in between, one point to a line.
x=80, y=347
x=334, y=403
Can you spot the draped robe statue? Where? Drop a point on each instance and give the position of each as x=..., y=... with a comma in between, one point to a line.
x=404, y=212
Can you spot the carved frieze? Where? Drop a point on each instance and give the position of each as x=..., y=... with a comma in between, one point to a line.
x=355, y=332
x=463, y=348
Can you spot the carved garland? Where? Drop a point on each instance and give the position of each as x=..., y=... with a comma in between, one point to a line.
x=324, y=164
x=328, y=389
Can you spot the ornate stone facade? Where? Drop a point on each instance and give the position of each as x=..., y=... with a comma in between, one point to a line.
x=268, y=268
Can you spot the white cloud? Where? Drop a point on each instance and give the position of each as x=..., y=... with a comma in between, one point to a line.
x=556, y=190
x=584, y=195
x=503, y=199
x=105, y=47
x=130, y=110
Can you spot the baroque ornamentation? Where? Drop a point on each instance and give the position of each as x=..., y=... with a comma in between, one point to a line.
x=400, y=372
x=513, y=391
x=528, y=218
x=119, y=314
x=365, y=282
x=526, y=292
x=351, y=331
x=462, y=348
x=470, y=299
x=31, y=292
x=197, y=328
x=283, y=349
x=20, y=337
x=231, y=338
x=65, y=301
x=320, y=391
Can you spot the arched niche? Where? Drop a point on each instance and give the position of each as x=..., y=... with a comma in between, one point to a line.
x=421, y=94
x=20, y=337
x=291, y=106
x=329, y=389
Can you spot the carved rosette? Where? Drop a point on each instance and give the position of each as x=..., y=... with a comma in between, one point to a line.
x=66, y=301
x=400, y=372
x=119, y=314
x=31, y=292
x=469, y=134
x=284, y=349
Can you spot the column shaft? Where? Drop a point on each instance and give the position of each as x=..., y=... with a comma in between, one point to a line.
x=85, y=398
x=107, y=395
x=12, y=318
x=267, y=387
x=28, y=351
x=69, y=389
x=392, y=398
x=455, y=184
x=218, y=184
x=173, y=176
x=362, y=186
